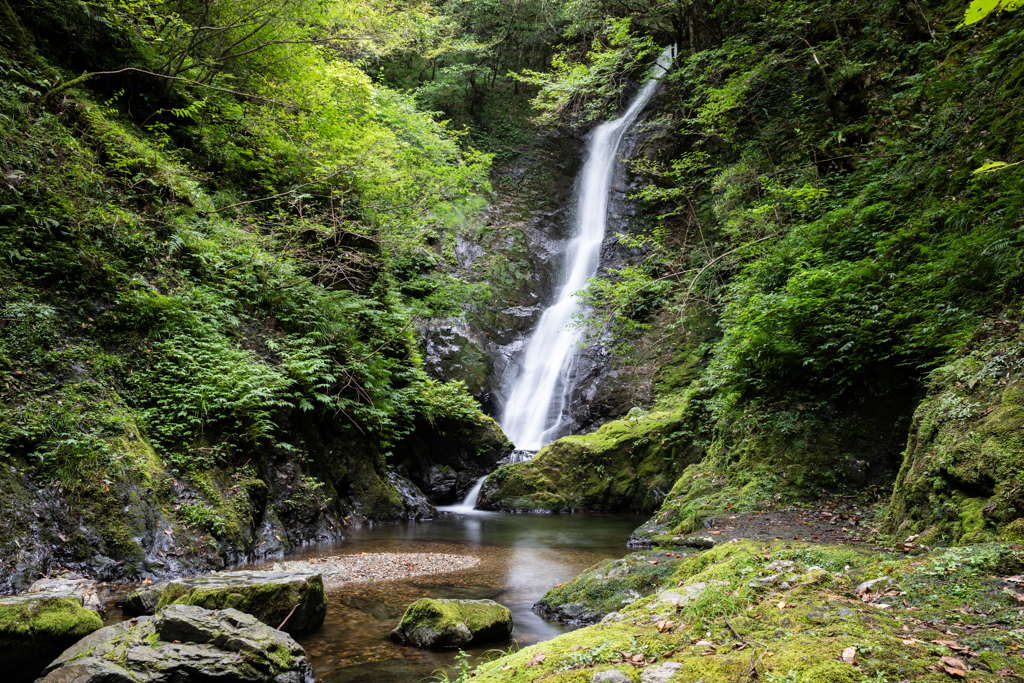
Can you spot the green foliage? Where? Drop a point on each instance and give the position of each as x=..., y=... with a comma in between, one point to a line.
x=580, y=89
x=979, y=9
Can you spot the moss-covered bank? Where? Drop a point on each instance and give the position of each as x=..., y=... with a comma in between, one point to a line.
x=961, y=480
x=798, y=612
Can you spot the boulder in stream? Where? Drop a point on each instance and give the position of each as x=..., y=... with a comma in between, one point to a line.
x=294, y=602
x=36, y=627
x=445, y=623
x=184, y=643
x=142, y=601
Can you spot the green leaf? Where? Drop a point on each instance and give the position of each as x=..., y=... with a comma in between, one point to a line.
x=979, y=9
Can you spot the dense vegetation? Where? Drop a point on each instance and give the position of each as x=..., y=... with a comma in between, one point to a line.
x=223, y=223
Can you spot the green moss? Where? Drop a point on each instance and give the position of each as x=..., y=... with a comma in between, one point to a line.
x=1014, y=531
x=440, y=614
x=796, y=634
x=621, y=467
x=43, y=623
x=960, y=479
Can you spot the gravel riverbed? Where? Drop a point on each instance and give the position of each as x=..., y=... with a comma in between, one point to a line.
x=379, y=566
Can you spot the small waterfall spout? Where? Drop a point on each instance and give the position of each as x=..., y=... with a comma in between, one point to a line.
x=538, y=399
x=468, y=503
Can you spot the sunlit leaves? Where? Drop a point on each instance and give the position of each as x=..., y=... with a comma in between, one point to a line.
x=979, y=9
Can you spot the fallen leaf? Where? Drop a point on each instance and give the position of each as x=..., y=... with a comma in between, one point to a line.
x=704, y=643
x=574, y=649
x=848, y=655
x=168, y=532
x=652, y=562
x=663, y=625
x=782, y=605
x=954, y=662
x=537, y=659
x=952, y=645
x=953, y=671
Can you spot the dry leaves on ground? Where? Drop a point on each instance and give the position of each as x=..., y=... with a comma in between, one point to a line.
x=538, y=659
x=848, y=655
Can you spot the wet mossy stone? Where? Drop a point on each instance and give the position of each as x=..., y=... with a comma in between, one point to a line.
x=292, y=601
x=453, y=623
x=36, y=627
x=142, y=601
x=184, y=643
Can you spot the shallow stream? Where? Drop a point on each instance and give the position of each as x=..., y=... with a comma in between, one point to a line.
x=521, y=557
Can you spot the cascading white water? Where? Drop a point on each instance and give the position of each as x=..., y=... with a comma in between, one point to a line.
x=469, y=502
x=536, y=405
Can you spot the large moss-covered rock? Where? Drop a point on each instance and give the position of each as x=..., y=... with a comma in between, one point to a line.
x=962, y=478
x=607, y=587
x=184, y=643
x=292, y=601
x=36, y=627
x=453, y=623
x=627, y=465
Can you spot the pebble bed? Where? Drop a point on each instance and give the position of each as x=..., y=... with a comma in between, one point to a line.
x=367, y=567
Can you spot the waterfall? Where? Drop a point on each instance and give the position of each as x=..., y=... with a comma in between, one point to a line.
x=538, y=399
x=469, y=502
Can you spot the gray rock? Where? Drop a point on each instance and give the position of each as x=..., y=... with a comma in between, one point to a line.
x=778, y=565
x=698, y=542
x=184, y=643
x=142, y=601
x=660, y=674
x=612, y=616
x=84, y=588
x=681, y=597
x=870, y=585
x=609, y=676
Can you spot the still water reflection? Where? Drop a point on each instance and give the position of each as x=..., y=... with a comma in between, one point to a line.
x=521, y=557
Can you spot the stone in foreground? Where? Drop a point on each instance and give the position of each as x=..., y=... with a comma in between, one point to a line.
x=453, y=623
x=291, y=601
x=36, y=627
x=184, y=643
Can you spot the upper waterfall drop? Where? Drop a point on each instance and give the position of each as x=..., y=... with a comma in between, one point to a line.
x=535, y=409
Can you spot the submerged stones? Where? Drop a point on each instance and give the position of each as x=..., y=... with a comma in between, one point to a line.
x=36, y=627
x=452, y=623
x=184, y=643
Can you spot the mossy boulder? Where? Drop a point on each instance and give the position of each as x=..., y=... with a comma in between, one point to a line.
x=292, y=601
x=446, y=623
x=625, y=466
x=962, y=479
x=607, y=587
x=36, y=627
x=184, y=643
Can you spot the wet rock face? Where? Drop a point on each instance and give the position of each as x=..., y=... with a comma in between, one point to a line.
x=84, y=589
x=445, y=460
x=184, y=643
x=36, y=627
x=453, y=623
x=292, y=601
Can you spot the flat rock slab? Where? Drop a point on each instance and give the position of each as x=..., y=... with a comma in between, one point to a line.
x=36, y=627
x=291, y=601
x=453, y=623
x=184, y=643
x=85, y=588
x=142, y=601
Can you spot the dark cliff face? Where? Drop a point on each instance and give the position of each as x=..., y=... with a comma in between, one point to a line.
x=533, y=217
